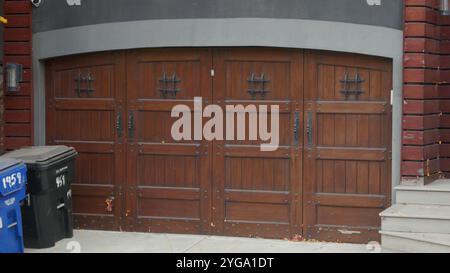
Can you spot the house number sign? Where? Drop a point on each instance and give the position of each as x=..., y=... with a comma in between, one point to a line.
x=73, y=2
x=374, y=2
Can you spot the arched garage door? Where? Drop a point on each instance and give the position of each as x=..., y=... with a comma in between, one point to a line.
x=328, y=179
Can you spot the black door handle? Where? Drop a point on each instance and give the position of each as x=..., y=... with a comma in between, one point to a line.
x=119, y=125
x=309, y=128
x=296, y=127
x=131, y=125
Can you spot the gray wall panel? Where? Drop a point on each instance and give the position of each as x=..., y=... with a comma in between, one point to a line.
x=56, y=14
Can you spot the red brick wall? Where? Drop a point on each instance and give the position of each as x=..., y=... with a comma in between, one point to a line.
x=18, y=130
x=426, y=120
x=426, y=108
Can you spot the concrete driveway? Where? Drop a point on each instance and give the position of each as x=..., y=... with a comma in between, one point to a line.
x=104, y=241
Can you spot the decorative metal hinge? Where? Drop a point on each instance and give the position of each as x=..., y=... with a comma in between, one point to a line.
x=352, y=86
x=257, y=85
x=169, y=86
x=84, y=79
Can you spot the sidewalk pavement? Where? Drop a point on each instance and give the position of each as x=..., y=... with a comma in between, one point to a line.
x=86, y=241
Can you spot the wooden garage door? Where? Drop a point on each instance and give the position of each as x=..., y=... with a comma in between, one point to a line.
x=168, y=181
x=328, y=180
x=85, y=103
x=347, y=136
x=258, y=193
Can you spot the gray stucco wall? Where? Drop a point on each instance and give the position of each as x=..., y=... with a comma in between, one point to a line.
x=55, y=14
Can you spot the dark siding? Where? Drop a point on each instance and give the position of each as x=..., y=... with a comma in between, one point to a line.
x=57, y=14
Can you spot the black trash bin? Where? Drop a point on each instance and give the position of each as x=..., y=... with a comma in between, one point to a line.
x=47, y=212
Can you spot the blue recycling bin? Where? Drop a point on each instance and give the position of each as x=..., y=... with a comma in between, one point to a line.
x=13, y=178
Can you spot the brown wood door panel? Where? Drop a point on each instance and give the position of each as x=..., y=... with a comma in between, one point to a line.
x=347, y=146
x=83, y=115
x=258, y=193
x=329, y=183
x=169, y=186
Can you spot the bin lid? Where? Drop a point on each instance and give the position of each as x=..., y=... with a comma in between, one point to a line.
x=7, y=163
x=40, y=155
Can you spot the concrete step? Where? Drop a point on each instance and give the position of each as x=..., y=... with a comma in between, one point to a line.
x=436, y=193
x=416, y=218
x=415, y=242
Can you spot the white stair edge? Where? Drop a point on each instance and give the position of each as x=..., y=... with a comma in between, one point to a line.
x=405, y=245
x=442, y=185
x=421, y=188
x=414, y=242
x=414, y=225
x=440, y=212
x=422, y=237
x=423, y=197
